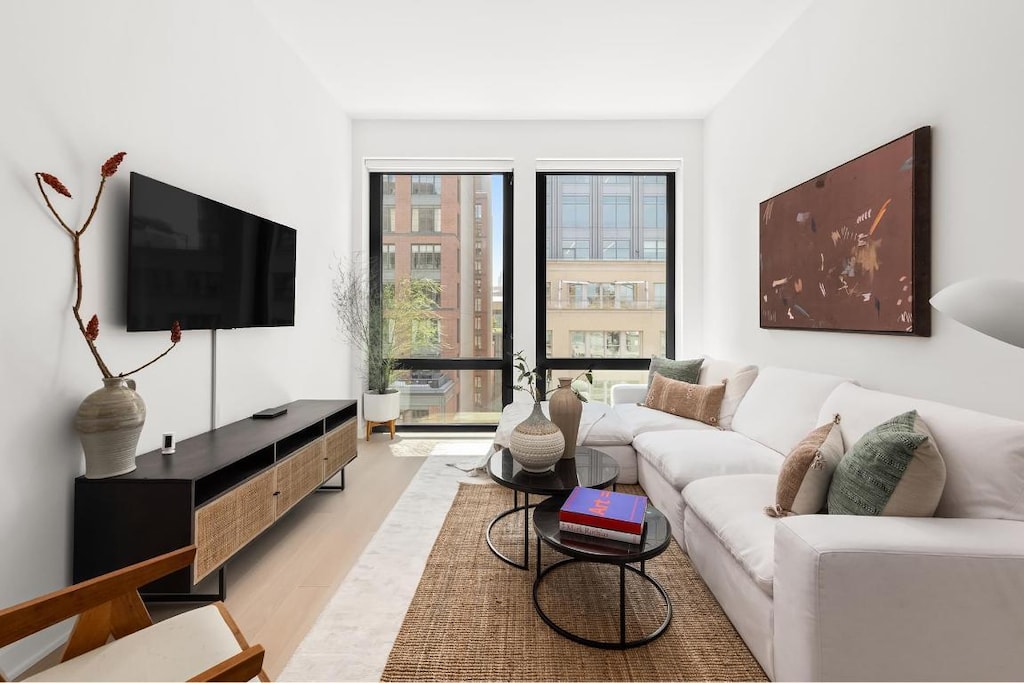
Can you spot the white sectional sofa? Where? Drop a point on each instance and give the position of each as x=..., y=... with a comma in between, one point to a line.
x=837, y=597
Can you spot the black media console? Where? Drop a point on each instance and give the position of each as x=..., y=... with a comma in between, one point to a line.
x=219, y=490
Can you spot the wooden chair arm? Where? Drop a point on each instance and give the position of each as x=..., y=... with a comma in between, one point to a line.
x=244, y=666
x=29, y=617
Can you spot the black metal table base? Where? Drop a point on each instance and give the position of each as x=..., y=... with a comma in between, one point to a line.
x=516, y=507
x=622, y=643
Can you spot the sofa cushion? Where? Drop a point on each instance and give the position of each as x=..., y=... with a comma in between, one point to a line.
x=731, y=508
x=738, y=378
x=684, y=399
x=983, y=454
x=682, y=456
x=639, y=420
x=894, y=469
x=679, y=370
x=807, y=472
x=782, y=405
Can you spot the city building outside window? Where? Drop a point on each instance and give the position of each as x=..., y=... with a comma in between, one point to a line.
x=387, y=261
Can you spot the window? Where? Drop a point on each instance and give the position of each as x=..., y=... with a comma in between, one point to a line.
x=426, y=257
x=453, y=368
x=654, y=250
x=605, y=344
x=615, y=210
x=608, y=256
x=426, y=219
x=576, y=211
x=426, y=184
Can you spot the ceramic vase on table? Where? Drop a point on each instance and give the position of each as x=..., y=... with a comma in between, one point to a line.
x=536, y=443
x=109, y=422
x=566, y=409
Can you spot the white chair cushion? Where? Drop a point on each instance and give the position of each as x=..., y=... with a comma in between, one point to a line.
x=738, y=379
x=172, y=650
x=639, y=420
x=983, y=454
x=732, y=508
x=782, y=406
x=682, y=456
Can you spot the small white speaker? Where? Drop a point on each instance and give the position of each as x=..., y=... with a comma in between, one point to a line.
x=168, y=444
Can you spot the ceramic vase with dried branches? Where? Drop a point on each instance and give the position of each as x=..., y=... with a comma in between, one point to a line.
x=109, y=420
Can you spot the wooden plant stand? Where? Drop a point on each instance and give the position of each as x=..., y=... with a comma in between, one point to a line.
x=370, y=424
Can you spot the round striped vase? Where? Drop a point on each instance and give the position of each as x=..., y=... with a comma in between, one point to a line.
x=536, y=442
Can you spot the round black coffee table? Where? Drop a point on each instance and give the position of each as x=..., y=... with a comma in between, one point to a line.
x=580, y=548
x=590, y=468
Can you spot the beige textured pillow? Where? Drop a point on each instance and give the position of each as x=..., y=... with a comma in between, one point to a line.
x=694, y=401
x=807, y=471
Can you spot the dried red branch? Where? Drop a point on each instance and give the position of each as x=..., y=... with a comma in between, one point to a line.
x=91, y=331
x=109, y=167
x=56, y=184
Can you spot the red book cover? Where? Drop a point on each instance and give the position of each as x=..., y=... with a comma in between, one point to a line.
x=605, y=509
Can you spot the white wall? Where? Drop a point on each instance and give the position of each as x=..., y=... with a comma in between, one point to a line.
x=526, y=141
x=847, y=77
x=204, y=96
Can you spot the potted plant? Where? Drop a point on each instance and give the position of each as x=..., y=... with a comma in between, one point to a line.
x=381, y=329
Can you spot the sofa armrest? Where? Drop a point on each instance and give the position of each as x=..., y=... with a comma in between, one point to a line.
x=628, y=393
x=898, y=598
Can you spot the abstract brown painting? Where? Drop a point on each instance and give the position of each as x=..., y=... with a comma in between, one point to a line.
x=850, y=250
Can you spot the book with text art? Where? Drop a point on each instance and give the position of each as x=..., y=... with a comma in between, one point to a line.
x=599, y=532
x=605, y=509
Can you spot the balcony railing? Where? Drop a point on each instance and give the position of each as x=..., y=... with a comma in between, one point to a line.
x=606, y=305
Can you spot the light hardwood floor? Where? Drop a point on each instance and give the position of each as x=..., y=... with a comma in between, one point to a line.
x=279, y=583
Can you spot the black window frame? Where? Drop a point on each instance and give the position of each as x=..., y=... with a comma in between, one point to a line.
x=546, y=363
x=502, y=363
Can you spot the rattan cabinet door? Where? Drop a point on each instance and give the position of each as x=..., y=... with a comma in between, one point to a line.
x=339, y=447
x=299, y=474
x=227, y=523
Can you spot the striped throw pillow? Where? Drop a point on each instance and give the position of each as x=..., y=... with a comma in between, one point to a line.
x=894, y=469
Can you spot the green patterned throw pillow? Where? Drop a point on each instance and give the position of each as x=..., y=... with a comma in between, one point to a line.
x=895, y=469
x=679, y=370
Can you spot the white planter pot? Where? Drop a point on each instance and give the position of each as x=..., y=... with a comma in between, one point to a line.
x=382, y=407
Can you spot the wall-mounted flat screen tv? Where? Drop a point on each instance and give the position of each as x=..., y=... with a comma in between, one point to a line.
x=205, y=264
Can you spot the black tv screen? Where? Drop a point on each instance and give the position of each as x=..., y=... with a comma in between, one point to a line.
x=204, y=263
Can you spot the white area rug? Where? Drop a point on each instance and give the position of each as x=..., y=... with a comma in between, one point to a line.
x=352, y=637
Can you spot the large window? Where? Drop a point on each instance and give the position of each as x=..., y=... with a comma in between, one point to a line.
x=447, y=249
x=606, y=279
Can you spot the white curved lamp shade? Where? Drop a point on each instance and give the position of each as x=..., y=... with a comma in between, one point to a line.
x=992, y=306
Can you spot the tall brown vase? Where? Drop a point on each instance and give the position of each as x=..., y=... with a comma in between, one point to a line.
x=109, y=422
x=565, y=409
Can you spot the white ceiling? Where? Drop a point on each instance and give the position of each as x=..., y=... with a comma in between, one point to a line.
x=530, y=59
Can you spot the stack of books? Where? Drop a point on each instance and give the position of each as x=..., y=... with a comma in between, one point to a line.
x=604, y=514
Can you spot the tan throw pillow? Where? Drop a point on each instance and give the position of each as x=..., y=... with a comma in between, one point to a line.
x=694, y=401
x=806, y=473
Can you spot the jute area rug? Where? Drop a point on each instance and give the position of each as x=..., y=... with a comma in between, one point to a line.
x=473, y=618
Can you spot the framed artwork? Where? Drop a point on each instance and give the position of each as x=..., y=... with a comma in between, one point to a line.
x=850, y=250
